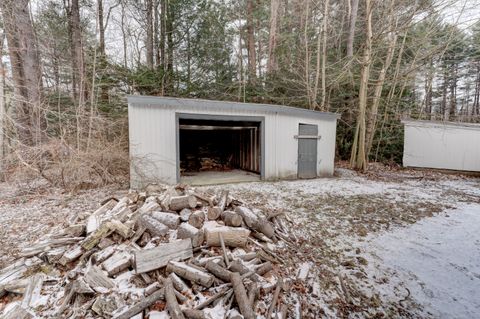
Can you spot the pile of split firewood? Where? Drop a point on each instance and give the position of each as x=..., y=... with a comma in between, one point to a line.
x=166, y=252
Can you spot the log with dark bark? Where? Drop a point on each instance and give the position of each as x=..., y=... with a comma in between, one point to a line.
x=218, y=271
x=190, y=273
x=141, y=305
x=172, y=305
x=241, y=296
x=194, y=314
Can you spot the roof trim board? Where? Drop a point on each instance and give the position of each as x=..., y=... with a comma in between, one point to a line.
x=183, y=103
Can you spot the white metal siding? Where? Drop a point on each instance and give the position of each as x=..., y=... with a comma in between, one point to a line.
x=442, y=146
x=152, y=131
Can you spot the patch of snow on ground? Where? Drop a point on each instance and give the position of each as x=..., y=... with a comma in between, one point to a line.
x=439, y=258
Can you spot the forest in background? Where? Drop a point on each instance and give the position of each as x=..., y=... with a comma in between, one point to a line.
x=68, y=64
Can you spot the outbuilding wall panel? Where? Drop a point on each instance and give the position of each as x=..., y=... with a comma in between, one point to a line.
x=450, y=146
x=153, y=129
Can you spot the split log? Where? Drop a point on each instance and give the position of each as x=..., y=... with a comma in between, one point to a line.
x=190, y=273
x=105, y=305
x=168, y=219
x=241, y=296
x=213, y=213
x=148, y=207
x=96, y=278
x=141, y=305
x=231, y=218
x=118, y=262
x=32, y=292
x=93, y=221
x=197, y=219
x=53, y=255
x=185, y=214
x=172, y=305
x=153, y=226
x=94, y=238
x=194, y=314
x=218, y=271
x=186, y=230
x=46, y=245
x=178, y=203
x=232, y=236
x=158, y=257
x=102, y=255
x=71, y=255
x=120, y=228
x=222, y=202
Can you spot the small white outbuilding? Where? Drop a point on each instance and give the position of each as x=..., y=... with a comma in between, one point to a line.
x=199, y=142
x=442, y=145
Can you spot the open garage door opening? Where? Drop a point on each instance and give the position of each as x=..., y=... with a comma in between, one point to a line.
x=219, y=151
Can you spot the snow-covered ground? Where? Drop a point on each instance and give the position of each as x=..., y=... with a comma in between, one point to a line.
x=405, y=244
x=389, y=245
x=438, y=259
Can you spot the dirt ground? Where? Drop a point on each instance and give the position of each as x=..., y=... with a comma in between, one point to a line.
x=336, y=223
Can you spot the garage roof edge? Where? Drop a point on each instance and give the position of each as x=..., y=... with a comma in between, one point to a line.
x=445, y=124
x=136, y=100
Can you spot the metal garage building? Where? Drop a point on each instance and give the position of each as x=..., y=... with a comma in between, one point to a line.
x=206, y=142
x=442, y=145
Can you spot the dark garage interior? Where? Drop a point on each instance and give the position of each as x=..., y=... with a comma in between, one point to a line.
x=214, y=151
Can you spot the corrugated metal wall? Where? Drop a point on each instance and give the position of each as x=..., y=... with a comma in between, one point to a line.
x=152, y=132
x=442, y=145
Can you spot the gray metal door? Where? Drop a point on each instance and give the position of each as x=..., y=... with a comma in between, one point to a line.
x=307, y=150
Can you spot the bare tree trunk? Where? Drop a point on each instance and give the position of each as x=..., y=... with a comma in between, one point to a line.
x=124, y=37
x=372, y=117
x=272, y=39
x=443, y=105
x=452, y=110
x=358, y=157
x=311, y=103
x=169, y=33
x=2, y=107
x=25, y=62
x=163, y=32
x=476, y=94
x=428, y=89
x=149, y=40
x=78, y=64
x=156, y=32
x=323, y=107
x=101, y=28
x=252, y=64
x=351, y=32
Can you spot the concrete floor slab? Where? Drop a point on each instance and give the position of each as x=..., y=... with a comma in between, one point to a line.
x=219, y=177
